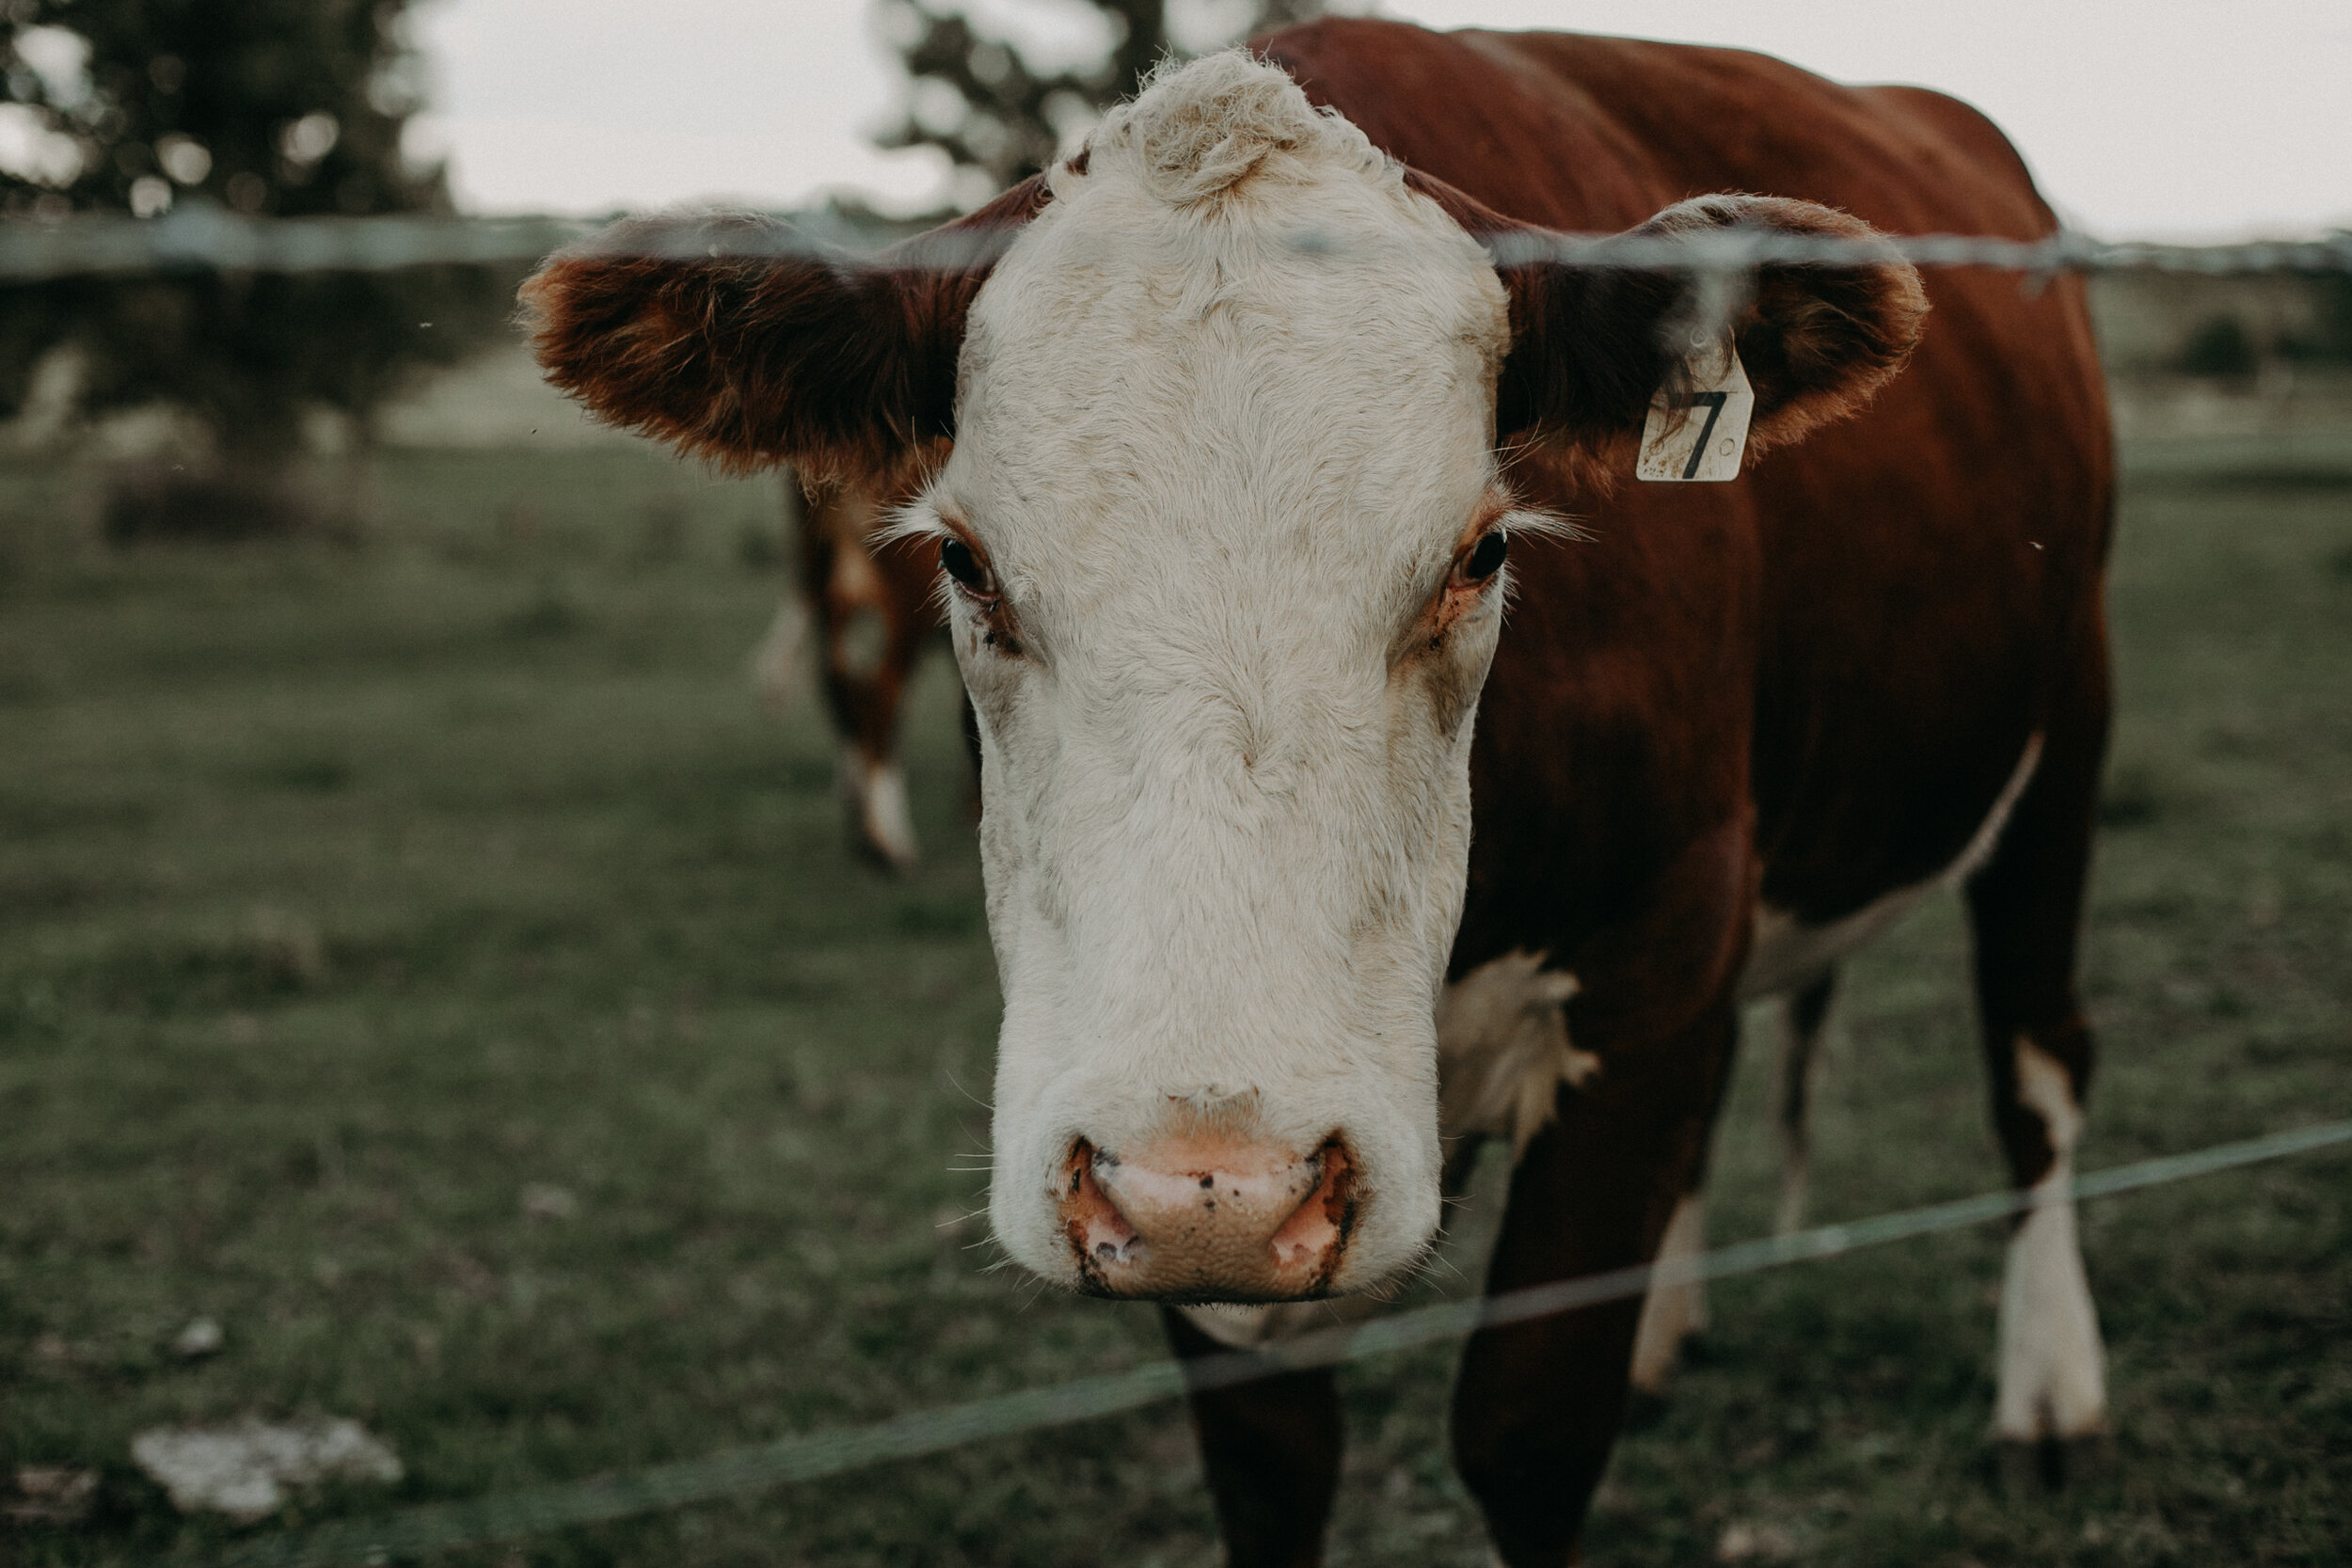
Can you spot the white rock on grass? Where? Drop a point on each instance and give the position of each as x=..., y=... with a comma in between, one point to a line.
x=544, y=1200
x=246, y=1470
x=1746, y=1541
x=200, y=1338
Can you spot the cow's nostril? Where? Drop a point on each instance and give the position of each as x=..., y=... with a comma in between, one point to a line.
x=1097, y=1231
x=1317, y=1229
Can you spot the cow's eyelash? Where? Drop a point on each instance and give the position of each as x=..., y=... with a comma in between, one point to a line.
x=978, y=587
x=918, y=519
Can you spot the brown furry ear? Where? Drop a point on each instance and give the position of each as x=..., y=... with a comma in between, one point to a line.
x=1591, y=344
x=733, y=339
x=1818, y=341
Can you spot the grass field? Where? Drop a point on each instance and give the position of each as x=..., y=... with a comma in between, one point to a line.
x=424, y=957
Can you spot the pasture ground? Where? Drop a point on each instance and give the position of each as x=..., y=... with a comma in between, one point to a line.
x=423, y=956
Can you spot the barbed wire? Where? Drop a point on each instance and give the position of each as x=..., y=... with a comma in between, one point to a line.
x=442, y=1526
x=198, y=238
x=204, y=238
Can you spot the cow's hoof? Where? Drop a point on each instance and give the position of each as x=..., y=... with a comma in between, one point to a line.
x=884, y=858
x=2048, y=1464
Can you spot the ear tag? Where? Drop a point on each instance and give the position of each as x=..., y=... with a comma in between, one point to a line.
x=1706, y=445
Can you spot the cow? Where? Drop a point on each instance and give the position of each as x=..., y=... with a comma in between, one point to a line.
x=1370, y=764
x=867, y=608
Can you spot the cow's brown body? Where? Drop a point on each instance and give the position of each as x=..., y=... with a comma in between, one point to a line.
x=1808, y=686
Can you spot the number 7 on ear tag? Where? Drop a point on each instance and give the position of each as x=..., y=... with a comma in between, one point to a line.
x=1705, y=444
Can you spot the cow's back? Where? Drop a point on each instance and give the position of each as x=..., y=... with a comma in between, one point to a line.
x=1854, y=642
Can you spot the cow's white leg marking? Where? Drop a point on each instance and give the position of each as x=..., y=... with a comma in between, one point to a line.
x=878, y=802
x=1672, y=1312
x=2053, y=1367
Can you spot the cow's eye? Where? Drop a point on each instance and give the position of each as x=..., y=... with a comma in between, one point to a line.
x=1485, y=557
x=972, y=575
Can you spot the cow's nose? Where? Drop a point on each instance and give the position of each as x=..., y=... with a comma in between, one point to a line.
x=1208, y=1219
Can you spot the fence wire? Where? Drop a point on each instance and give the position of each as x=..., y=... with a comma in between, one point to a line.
x=730, y=1472
x=206, y=238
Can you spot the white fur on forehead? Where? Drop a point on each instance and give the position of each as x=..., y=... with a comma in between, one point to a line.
x=1196, y=375
x=1198, y=130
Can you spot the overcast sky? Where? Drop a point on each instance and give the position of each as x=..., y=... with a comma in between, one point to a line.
x=2188, y=118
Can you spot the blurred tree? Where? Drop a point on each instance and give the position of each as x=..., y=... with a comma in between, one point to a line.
x=2220, y=346
x=285, y=107
x=977, y=97
x=2329, y=338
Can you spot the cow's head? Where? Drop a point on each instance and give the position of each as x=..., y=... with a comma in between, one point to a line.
x=1210, y=453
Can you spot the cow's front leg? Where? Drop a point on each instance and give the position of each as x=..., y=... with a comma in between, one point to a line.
x=1271, y=1446
x=1539, y=1403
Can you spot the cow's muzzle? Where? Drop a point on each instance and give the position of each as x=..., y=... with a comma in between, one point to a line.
x=1202, y=1219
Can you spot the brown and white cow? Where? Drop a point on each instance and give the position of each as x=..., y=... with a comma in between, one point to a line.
x=867, y=607
x=1308, y=866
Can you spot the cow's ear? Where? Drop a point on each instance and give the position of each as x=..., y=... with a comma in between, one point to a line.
x=734, y=339
x=1591, y=343
x=1818, y=341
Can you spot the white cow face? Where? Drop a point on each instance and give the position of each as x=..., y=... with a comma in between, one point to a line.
x=1222, y=543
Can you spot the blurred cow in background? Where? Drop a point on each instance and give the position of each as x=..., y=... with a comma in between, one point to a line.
x=868, y=608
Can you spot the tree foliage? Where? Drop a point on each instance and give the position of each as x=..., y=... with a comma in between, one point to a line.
x=977, y=97
x=286, y=106
x=276, y=107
